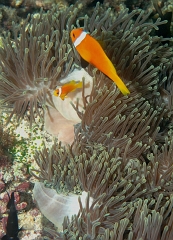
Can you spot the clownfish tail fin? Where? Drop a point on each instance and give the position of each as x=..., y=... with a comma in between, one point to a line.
x=122, y=87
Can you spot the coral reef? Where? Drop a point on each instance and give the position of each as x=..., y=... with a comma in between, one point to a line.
x=121, y=154
x=7, y=142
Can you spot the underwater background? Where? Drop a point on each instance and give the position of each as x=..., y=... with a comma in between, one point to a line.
x=98, y=164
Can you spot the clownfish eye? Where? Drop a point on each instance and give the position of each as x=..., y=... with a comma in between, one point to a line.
x=56, y=92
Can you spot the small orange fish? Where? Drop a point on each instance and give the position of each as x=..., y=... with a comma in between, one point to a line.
x=91, y=51
x=67, y=88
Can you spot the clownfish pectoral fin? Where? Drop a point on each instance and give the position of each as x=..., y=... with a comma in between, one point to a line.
x=84, y=63
x=63, y=96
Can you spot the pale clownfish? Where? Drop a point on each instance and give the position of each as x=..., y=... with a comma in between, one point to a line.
x=91, y=51
x=67, y=88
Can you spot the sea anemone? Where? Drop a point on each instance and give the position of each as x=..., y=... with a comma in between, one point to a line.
x=39, y=58
x=127, y=196
x=121, y=153
x=122, y=145
x=34, y=61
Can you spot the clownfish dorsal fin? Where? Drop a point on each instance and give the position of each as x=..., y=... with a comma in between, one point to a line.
x=71, y=82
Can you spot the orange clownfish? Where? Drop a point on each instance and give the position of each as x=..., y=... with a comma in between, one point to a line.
x=91, y=51
x=67, y=88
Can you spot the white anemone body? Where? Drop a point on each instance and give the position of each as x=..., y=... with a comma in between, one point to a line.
x=56, y=206
x=60, y=122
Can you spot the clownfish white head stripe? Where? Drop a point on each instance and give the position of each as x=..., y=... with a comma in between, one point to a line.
x=80, y=38
x=60, y=92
